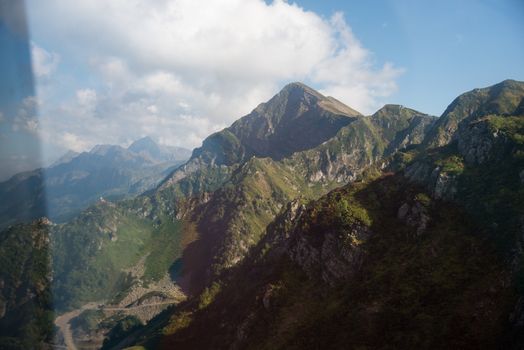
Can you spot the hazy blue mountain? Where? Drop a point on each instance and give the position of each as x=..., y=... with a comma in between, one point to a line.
x=147, y=147
x=79, y=179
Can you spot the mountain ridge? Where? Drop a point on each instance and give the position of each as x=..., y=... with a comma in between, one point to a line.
x=355, y=147
x=434, y=252
x=377, y=236
x=78, y=179
x=272, y=126
x=502, y=98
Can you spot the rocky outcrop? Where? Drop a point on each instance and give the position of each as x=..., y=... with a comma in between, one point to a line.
x=440, y=184
x=414, y=215
x=334, y=256
x=476, y=141
x=280, y=230
x=445, y=184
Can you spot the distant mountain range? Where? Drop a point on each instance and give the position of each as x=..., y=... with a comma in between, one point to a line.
x=304, y=224
x=77, y=180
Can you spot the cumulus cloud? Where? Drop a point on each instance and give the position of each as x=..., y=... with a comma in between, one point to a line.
x=73, y=142
x=26, y=116
x=181, y=69
x=86, y=97
x=44, y=62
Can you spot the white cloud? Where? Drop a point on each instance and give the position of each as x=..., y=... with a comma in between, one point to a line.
x=86, y=97
x=44, y=62
x=152, y=109
x=26, y=118
x=181, y=69
x=73, y=142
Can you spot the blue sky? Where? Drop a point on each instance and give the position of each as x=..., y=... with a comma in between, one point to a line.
x=446, y=47
x=110, y=72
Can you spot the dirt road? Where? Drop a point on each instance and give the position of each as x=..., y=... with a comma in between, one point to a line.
x=62, y=322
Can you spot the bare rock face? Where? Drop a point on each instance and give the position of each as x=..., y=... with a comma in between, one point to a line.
x=478, y=143
x=445, y=186
x=334, y=256
x=184, y=208
x=418, y=172
x=440, y=184
x=280, y=231
x=414, y=215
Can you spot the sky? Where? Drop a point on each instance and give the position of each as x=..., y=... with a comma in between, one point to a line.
x=177, y=70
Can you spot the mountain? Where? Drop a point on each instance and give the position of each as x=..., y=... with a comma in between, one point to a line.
x=351, y=270
x=234, y=196
x=399, y=260
x=396, y=229
x=204, y=223
x=77, y=180
x=296, y=119
x=149, y=148
x=66, y=158
x=428, y=257
x=504, y=98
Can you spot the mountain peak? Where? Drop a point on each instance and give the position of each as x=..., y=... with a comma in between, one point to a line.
x=105, y=149
x=144, y=144
x=391, y=107
x=396, y=111
x=510, y=83
x=505, y=98
x=295, y=119
x=298, y=95
x=147, y=147
x=301, y=88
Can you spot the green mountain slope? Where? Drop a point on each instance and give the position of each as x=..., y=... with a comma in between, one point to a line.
x=228, y=205
x=232, y=205
x=93, y=253
x=26, y=302
x=501, y=99
x=428, y=258
x=274, y=253
x=347, y=271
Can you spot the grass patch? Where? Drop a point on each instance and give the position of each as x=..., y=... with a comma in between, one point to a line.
x=452, y=164
x=513, y=126
x=164, y=248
